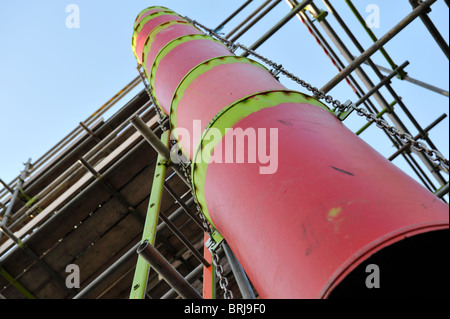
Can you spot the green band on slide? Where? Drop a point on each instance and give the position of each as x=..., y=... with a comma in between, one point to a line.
x=148, y=9
x=152, y=35
x=195, y=73
x=165, y=50
x=226, y=119
x=141, y=24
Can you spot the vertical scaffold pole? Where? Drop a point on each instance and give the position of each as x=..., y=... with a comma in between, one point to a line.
x=138, y=289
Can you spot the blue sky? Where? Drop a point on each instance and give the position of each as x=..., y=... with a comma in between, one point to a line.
x=53, y=77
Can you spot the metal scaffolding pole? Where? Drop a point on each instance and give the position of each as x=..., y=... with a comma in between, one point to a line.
x=139, y=286
x=124, y=258
x=108, y=272
x=164, y=155
x=432, y=28
x=255, y=20
x=441, y=192
x=160, y=264
x=369, y=83
x=239, y=273
x=93, y=155
x=16, y=284
x=193, y=275
x=112, y=190
x=347, y=55
x=90, y=132
x=99, y=112
x=7, y=187
x=380, y=43
x=231, y=16
x=15, y=194
x=333, y=56
x=250, y=16
x=53, y=274
x=349, y=58
x=49, y=222
x=156, y=143
x=419, y=171
x=278, y=25
x=184, y=240
x=383, y=82
x=369, y=32
x=183, y=205
x=414, y=81
x=420, y=135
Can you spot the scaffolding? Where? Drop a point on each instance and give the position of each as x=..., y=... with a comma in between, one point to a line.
x=88, y=199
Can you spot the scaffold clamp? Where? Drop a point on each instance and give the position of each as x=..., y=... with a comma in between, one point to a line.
x=214, y=242
x=345, y=110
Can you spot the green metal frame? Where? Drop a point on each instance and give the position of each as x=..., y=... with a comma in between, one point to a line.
x=138, y=287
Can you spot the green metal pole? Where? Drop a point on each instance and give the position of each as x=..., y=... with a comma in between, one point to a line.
x=16, y=284
x=138, y=288
x=401, y=72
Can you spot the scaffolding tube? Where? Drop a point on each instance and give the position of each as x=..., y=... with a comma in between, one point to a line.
x=377, y=45
x=167, y=271
x=392, y=115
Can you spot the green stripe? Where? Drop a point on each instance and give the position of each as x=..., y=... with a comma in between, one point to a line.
x=226, y=119
x=166, y=49
x=148, y=9
x=141, y=24
x=152, y=35
x=198, y=71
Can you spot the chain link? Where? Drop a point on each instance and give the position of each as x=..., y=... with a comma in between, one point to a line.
x=405, y=138
x=223, y=280
x=161, y=116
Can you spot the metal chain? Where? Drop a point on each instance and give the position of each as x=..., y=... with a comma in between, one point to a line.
x=161, y=116
x=405, y=138
x=223, y=280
